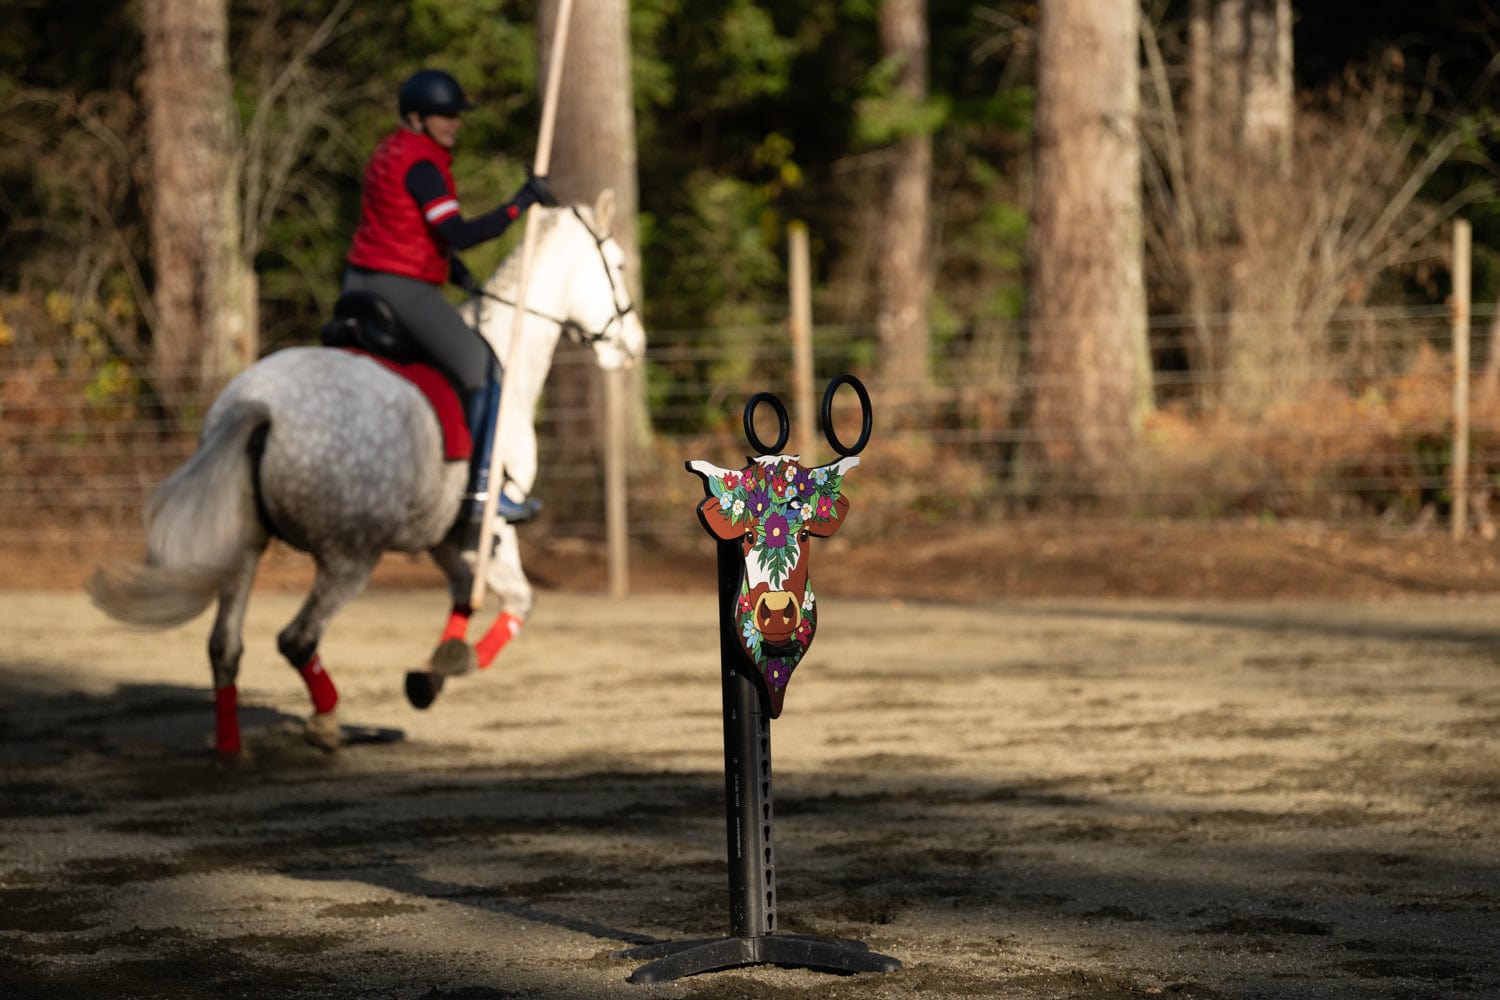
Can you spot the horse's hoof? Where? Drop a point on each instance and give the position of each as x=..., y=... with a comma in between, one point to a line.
x=422, y=687
x=454, y=657
x=323, y=731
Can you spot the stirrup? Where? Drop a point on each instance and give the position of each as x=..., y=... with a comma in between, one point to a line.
x=517, y=513
x=466, y=528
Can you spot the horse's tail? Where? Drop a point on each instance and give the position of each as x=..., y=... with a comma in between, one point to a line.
x=200, y=524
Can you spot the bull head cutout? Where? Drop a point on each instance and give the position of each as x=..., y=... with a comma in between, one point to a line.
x=773, y=507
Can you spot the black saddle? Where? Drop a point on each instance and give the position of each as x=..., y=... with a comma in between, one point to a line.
x=366, y=321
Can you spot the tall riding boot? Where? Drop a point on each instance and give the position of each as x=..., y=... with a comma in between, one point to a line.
x=483, y=411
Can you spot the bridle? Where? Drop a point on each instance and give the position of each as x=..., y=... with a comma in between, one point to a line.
x=571, y=328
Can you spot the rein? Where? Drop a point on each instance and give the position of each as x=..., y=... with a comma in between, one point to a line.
x=571, y=328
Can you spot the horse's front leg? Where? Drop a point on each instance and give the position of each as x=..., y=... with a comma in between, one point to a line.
x=513, y=594
x=339, y=580
x=454, y=655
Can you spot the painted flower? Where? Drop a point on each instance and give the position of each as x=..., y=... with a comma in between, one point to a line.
x=757, y=502
x=731, y=480
x=820, y=476
x=778, y=532
x=804, y=631
x=803, y=484
x=745, y=604
x=751, y=635
x=778, y=672
x=825, y=508
x=807, y=601
x=726, y=501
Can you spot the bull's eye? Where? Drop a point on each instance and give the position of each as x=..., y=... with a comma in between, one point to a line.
x=802, y=535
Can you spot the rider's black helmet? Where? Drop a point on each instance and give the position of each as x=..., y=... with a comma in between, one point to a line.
x=432, y=92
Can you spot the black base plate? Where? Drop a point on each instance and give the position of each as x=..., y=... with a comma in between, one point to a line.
x=675, y=959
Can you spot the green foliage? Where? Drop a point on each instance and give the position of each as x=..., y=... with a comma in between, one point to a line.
x=884, y=115
x=886, y=118
x=729, y=264
x=723, y=54
x=750, y=113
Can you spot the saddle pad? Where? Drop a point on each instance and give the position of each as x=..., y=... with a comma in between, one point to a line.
x=457, y=445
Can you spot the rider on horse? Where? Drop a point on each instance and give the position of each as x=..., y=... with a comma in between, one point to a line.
x=410, y=224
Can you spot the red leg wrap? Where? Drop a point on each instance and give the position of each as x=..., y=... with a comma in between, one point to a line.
x=227, y=721
x=458, y=623
x=324, y=695
x=504, y=630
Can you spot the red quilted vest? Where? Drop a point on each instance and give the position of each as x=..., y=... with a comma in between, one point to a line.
x=395, y=234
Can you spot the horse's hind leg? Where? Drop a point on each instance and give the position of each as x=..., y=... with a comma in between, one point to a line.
x=338, y=581
x=225, y=645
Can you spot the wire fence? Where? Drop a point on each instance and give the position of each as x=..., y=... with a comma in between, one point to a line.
x=1361, y=428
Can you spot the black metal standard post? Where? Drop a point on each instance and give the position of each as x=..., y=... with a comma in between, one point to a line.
x=747, y=775
x=748, y=821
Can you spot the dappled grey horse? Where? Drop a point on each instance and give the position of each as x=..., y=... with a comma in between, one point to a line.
x=345, y=460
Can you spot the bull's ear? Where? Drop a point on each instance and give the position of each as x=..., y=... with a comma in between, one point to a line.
x=715, y=520
x=825, y=528
x=707, y=470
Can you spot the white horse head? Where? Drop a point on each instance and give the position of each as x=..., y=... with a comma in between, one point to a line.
x=576, y=286
x=614, y=328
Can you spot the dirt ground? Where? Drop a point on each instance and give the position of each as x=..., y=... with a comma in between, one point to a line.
x=1044, y=759
x=1040, y=557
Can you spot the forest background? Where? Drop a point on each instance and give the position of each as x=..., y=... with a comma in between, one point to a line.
x=1269, y=327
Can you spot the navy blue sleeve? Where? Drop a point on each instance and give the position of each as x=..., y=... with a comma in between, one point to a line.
x=425, y=183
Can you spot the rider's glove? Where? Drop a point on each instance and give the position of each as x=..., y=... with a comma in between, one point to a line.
x=535, y=191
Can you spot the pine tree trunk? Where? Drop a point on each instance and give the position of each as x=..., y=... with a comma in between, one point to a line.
x=204, y=290
x=1268, y=100
x=904, y=279
x=594, y=148
x=1204, y=346
x=1254, y=115
x=1089, y=356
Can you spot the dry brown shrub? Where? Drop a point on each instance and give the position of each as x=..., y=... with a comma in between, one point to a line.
x=1334, y=450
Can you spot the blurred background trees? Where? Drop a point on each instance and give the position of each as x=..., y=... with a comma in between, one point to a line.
x=1297, y=162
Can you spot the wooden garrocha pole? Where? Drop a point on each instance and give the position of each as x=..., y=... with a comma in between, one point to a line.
x=540, y=167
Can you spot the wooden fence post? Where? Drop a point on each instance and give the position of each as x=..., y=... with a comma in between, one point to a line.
x=616, y=511
x=800, y=272
x=1460, y=467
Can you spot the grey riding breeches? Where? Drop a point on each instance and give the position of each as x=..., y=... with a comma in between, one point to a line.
x=432, y=322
